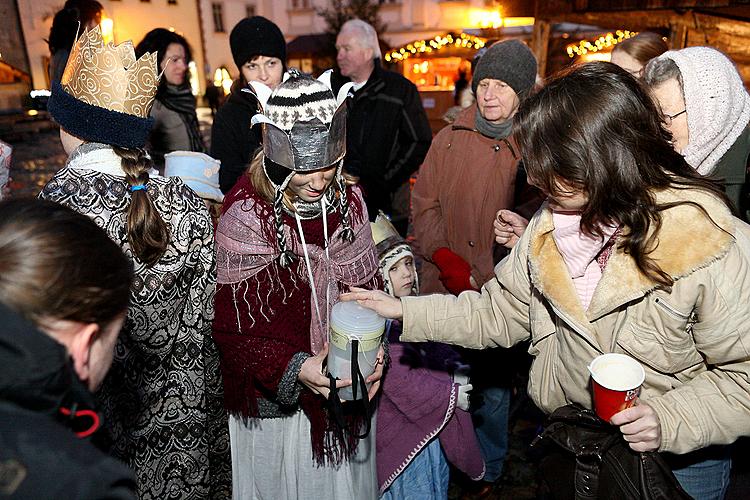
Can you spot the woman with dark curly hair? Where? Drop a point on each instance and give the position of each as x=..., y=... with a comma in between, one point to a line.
x=176, y=125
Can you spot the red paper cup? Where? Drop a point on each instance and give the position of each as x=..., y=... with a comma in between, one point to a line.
x=617, y=380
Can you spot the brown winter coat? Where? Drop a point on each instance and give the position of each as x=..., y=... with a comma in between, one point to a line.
x=465, y=179
x=693, y=340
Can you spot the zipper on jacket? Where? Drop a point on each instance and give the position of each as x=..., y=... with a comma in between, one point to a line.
x=671, y=310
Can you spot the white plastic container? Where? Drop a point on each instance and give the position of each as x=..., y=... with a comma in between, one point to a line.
x=350, y=321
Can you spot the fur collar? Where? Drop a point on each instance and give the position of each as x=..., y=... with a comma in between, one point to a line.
x=688, y=241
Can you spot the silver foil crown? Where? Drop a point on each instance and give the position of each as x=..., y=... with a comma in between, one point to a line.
x=299, y=149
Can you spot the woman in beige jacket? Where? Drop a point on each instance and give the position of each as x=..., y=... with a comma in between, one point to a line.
x=655, y=267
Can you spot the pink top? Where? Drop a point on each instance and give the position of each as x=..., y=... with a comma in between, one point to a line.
x=579, y=251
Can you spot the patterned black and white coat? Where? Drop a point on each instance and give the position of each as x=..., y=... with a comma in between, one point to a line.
x=162, y=399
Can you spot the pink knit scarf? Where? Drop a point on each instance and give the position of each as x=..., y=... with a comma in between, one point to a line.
x=245, y=248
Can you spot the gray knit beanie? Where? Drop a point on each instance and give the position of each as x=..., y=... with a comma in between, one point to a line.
x=510, y=61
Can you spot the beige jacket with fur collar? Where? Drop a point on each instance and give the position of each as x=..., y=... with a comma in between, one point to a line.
x=693, y=341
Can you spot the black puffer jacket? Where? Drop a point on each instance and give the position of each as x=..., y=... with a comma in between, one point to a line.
x=233, y=141
x=40, y=456
x=388, y=135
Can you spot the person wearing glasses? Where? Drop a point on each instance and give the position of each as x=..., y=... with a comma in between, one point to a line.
x=707, y=109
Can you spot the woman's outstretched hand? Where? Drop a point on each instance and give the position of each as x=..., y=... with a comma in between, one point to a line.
x=311, y=374
x=379, y=301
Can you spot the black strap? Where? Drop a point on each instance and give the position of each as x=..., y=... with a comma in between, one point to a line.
x=358, y=383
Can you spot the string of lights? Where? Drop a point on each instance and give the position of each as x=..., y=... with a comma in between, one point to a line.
x=603, y=42
x=439, y=42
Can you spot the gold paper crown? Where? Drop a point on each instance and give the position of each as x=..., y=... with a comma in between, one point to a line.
x=109, y=76
x=384, y=234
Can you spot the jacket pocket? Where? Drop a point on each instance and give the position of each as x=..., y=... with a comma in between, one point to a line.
x=667, y=352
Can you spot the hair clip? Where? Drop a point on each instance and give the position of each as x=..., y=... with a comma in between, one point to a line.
x=137, y=187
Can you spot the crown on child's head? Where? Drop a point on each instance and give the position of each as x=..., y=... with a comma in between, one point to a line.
x=384, y=234
x=108, y=76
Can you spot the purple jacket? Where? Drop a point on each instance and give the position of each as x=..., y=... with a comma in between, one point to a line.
x=418, y=402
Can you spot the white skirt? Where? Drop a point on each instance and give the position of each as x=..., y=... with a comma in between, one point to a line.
x=272, y=460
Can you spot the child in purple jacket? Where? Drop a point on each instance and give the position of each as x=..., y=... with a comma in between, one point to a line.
x=423, y=422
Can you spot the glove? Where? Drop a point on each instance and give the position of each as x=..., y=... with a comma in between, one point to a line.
x=463, y=396
x=461, y=374
x=455, y=272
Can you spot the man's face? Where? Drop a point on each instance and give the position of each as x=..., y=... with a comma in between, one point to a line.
x=354, y=61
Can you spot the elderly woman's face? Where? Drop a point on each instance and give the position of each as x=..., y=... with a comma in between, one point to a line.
x=672, y=104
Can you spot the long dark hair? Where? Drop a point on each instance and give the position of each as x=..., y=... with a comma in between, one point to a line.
x=72, y=19
x=59, y=265
x=596, y=128
x=157, y=40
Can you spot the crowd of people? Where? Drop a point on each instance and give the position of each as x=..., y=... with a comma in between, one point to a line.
x=151, y=351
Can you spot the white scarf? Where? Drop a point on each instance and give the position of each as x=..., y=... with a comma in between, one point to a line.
x=718, y=106
x=99, y=158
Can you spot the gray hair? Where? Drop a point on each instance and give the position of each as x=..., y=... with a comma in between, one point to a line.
x=660, y=70
x=367, y=36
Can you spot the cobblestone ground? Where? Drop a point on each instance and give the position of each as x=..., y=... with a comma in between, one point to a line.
x=35, y=161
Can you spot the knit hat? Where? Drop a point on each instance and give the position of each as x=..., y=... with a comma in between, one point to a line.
x=717, y=104
x=256, y=36
x=510, y=61
x=304, y=129
x=391, y=248
x=105, y=94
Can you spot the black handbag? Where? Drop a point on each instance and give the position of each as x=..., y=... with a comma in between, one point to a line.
x=585, y=458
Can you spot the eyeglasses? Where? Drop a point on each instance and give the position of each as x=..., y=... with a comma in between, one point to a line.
x=668, y=118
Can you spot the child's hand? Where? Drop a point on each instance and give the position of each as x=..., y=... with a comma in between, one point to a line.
x=374, y=379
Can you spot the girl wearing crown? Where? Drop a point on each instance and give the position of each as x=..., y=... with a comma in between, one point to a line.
x=162, y=398
x=292, y=237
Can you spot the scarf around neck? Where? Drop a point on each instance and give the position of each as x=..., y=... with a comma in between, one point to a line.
x=245, y=248
x=180, y=99
x=493, y=130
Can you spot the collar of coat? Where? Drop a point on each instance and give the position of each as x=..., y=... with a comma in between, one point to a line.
x=688, y=241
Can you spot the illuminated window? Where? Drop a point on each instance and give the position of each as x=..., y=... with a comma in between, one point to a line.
x=217, y=10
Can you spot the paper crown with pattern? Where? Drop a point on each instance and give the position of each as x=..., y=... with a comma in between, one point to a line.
x=109, y=76
x=105, y=94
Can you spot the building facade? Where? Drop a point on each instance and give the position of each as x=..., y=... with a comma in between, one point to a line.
x=127, y=20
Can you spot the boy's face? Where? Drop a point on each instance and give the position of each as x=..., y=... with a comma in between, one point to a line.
x=402, y=276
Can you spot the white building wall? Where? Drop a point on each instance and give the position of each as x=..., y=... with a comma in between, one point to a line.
x=132, y=20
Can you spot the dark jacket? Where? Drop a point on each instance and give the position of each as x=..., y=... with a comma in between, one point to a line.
x=40, y=456
x=232, y=140
x=388, y=135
